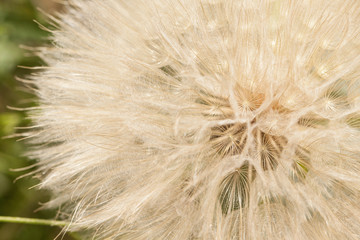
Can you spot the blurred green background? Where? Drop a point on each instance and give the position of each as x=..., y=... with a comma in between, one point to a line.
x=17, y=27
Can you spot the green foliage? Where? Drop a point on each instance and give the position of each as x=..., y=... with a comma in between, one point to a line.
x=17, y=27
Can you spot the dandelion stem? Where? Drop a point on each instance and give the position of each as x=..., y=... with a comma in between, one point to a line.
x=35, y=221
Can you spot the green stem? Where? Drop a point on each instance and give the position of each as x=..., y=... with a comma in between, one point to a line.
x=38, y=221
x=33, y=221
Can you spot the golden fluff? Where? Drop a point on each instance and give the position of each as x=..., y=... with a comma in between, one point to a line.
x=208, y=119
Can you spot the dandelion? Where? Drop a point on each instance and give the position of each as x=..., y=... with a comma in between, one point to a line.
x=209, y=119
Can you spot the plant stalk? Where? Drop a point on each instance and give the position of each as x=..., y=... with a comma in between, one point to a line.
x=34, y=221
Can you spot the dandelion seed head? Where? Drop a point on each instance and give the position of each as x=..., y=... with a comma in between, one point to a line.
x=202, y=119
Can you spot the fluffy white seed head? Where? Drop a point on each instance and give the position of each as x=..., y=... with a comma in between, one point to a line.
x=209, y=119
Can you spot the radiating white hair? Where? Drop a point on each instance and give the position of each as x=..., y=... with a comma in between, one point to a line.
x=208, y=119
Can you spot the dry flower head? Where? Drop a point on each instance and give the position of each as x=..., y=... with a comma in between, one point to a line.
x=209, y=119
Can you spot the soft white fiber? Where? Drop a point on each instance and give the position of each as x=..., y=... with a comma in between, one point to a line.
x=208, y=119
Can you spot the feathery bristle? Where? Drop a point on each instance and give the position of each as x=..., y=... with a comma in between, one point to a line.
x=210, y=119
